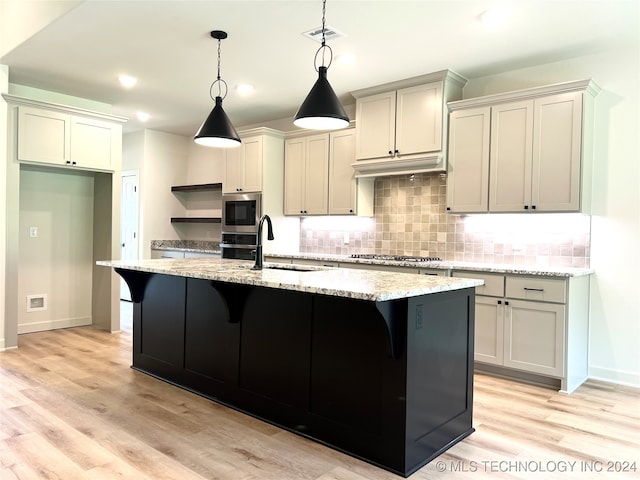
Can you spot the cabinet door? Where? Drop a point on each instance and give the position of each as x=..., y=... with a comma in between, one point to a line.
x=316, y=183
x=375, y=132
x=95, y=144
x=342, y=181
x=489, y=334
x=43, y=136
x=557, y=140
x=252, y=164
x=468, y=162
x=294, y=154
x=535, y=337
x=511, y=157
x=419, y=119
x=233, y=170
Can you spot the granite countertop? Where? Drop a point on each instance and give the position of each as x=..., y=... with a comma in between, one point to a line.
x=368, y=285
x=547, y=271
x=197, y=246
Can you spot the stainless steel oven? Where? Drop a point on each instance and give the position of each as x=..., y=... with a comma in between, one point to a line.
x=239, y=245
x=241, y=212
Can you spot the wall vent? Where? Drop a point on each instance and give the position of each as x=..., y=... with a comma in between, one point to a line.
x=37, y=303
x=330, y=33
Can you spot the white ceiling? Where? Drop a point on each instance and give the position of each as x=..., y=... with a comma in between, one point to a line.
x=166, y=44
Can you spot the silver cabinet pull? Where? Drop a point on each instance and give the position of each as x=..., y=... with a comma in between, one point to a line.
x=533, y=289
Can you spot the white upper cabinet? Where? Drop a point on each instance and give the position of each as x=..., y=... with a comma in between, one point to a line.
x=401, y=127
x=43, y=136
x=57, y=137
x=468, y=177
x=539, y=151
x=419, y=119
x=557, y=152
x=95, y=143
x=243, y=172
x=306, y=170
x=319, y=178
x=376, y=120
x=511, y=157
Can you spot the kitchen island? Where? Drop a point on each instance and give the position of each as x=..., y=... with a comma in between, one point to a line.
x=376, y=364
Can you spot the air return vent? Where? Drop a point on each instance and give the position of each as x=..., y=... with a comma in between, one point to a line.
x=37, y=303
x=330, y=33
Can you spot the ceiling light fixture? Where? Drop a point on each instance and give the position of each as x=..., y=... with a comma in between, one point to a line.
x=321, y=110
x=143, y=116
x=217, y=130
x=244, y=89
x=127, y=81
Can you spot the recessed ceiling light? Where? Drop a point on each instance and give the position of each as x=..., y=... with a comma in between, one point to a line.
x=143, y=116
x=495, y=17
x=244, y=89
x=127, y=81
x=346, y=58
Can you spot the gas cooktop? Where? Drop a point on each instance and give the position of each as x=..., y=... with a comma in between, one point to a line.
x=395, y=258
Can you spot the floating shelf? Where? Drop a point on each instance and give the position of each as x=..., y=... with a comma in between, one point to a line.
x=196, y=220
x=197, y=188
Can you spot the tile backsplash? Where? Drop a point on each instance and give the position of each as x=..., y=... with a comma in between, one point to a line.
x=410, y=219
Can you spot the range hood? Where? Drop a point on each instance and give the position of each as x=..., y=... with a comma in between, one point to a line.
x=380, y=167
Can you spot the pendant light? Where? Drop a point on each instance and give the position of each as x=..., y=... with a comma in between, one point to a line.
x=217, y=130
x=321, y=110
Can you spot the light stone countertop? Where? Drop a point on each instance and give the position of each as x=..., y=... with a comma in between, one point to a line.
x=368, y=285
x=537, y=270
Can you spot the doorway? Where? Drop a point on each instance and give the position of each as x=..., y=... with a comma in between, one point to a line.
x=129, y=224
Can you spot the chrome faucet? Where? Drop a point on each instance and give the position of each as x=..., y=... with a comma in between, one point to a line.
x=259, y=256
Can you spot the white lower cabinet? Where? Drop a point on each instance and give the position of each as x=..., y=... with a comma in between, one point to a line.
x=534, y=337
x=535, y=325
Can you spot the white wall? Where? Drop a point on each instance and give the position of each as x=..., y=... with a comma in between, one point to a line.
x=615, y=303
x=205, y=164
x=163, y=164
x=58, y=261
x=4, y=88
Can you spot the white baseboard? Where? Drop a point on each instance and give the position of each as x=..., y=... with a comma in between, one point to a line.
x=620, y=377
x=54, y=324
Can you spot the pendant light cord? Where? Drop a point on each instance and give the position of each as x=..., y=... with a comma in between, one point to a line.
x=219, y=80
x=324, y=45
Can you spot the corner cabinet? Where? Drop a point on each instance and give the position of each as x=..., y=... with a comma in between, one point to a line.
x=523, y=151
x=69, y=137
x=402, y=126
x=319, y=178
x=534, y=327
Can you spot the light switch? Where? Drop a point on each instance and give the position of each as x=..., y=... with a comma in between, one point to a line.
x=33, y=232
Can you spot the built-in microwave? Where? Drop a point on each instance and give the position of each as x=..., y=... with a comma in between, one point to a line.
x=241, y=212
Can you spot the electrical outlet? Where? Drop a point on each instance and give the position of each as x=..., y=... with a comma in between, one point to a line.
x=33, y=232
x=346, y=238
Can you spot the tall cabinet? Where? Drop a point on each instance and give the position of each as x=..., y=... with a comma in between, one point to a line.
x=66, y=141
x=523, y=151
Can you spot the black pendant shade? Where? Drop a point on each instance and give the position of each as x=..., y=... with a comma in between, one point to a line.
x=217, y=130
x=321, y=110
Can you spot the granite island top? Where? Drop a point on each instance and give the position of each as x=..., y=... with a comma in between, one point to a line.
x=368, y=285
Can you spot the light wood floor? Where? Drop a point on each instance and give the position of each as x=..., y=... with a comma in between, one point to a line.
x=71, y=408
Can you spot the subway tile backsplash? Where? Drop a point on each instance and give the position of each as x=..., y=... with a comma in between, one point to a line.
x=410, y=219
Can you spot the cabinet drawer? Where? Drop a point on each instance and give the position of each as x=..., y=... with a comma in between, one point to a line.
x=493, y=283
x=532, y=288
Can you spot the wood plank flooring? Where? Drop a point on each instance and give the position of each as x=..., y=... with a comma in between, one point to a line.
x=72, y=408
